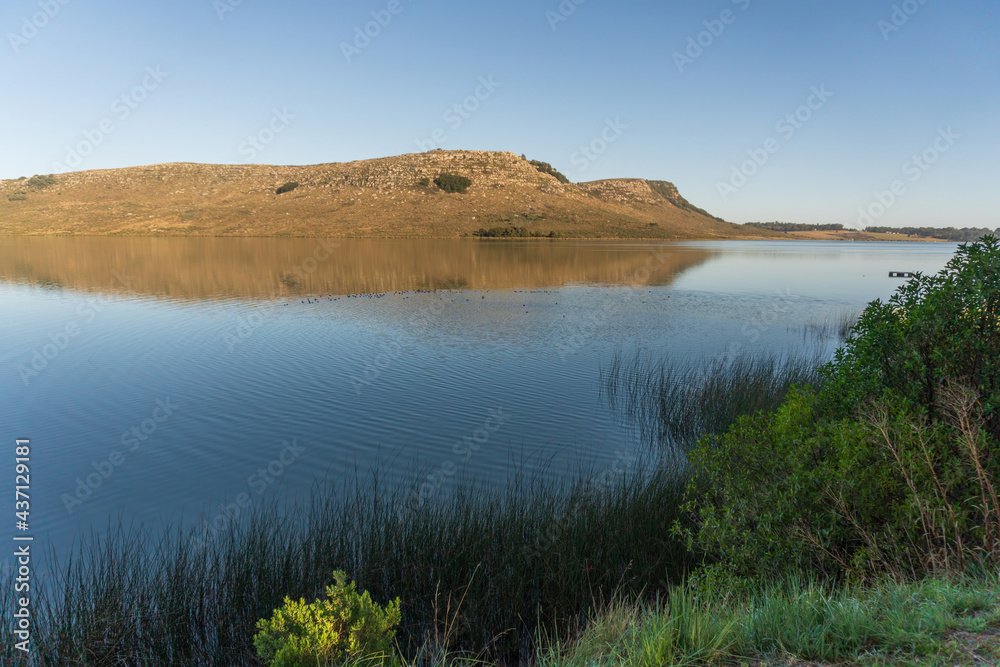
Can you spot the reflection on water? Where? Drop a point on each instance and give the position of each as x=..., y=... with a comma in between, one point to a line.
x=198, y=268
x=220, y=331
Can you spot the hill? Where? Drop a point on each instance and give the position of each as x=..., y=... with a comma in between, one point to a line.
x=386, y=197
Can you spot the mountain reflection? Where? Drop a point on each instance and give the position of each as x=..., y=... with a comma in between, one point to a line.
x=206, y=268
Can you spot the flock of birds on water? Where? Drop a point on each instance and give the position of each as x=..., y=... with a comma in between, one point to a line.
x=405, y=294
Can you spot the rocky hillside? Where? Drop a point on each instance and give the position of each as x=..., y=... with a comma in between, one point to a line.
x=387, y=197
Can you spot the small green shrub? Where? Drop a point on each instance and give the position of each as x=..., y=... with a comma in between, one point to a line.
x=453, y=183
x=17, y=196
x=346, y=626
x=547, y=168
x=424, y=182
x=287, y=187
x=40, y=182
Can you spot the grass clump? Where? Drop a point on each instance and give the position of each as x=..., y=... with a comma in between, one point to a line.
x=453, y=183
x=797, y=620
x=675, y=404
x=346, y=626
x=287, y=187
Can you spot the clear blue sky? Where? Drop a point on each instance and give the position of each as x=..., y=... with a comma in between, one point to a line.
x=896, y=89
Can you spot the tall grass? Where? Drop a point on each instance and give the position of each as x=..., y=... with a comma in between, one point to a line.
x=835, y=327
x=481, y=574
x=675, y=404
x=890, y=623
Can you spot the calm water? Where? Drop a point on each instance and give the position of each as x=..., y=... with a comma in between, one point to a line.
x=158, y=378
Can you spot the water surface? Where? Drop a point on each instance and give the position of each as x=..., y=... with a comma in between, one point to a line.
x=169, y=376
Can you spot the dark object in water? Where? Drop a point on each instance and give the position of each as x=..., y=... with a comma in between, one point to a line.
x=901, y=274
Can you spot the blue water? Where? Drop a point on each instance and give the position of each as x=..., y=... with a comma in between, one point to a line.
x=161, y=407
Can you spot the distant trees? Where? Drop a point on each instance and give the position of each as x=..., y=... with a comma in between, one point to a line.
x=964, y=235
x=287, y=187
x=514, y=232
x=795, y=227
x=453, y=183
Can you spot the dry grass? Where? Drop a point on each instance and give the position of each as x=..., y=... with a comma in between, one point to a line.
x=371, y=198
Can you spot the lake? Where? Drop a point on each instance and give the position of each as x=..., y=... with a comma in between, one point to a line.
x=166, y=379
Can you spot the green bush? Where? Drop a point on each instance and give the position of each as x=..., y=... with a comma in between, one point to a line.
x=890, y=467
x=17, y=196
x=513, y=232
x=424, y=182
x=452, y=183
x=345, y=626
x=40, y=182
x=287, y=187
x=547, y=168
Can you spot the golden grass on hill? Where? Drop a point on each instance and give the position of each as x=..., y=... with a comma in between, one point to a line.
x=372, y=198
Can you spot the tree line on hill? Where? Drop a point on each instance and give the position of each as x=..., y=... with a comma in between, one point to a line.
x=795, y=227
x=964, y=235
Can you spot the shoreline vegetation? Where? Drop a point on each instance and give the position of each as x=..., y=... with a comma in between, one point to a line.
x=787, y=511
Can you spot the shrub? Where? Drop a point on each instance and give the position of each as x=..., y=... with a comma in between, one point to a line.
x=547, y=168
x=40, y=182
x=17, y=196
x=513, y=232
x=891, y=466
x=287, y=187
x=344, y=626
x=452, y=183
x=424, y=182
